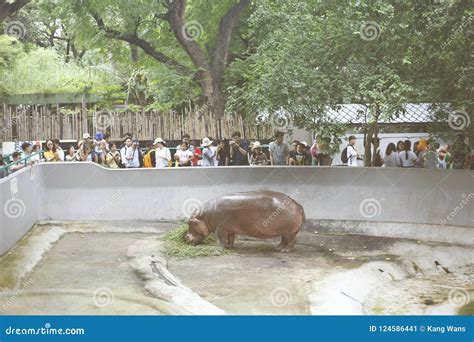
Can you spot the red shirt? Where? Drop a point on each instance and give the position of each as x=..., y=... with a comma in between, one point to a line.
x=197, y=156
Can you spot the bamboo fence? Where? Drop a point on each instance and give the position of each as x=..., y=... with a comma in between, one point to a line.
x=68, y=122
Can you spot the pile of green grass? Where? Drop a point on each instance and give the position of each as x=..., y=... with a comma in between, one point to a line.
x=177, y=247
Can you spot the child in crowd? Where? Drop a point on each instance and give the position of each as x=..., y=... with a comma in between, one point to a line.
x=258, y=157
x=112, y=158
x=299, y=156
x=183, y=156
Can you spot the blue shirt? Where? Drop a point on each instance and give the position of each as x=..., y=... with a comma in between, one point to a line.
x=239, y=158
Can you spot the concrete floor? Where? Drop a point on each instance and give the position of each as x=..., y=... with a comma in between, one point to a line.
x=84, y=268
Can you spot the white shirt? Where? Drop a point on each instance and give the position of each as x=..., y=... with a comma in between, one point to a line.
x=130, y=152
x=36, y=157
x=391, y=160
x=60, y=153
x=351, y=156
x=407, y=162
x=208, y=157
x=162, y=156
x=184, y=156
x=214, y=150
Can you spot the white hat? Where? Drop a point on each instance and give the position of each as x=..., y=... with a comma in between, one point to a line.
x=158, y=140
x=256, y=144
x=86, y=136
x=206, y=142
x=304, y=143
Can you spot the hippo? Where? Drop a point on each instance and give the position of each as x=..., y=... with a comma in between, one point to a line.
x=260, y=214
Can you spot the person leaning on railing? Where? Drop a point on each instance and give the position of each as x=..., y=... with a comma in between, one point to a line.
x=2, y=167
x=35, y=153
x=17, y=163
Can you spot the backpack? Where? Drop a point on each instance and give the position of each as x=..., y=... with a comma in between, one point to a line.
x=344, y=155
x=147, y=162
x=378, y=160
x=140, y=158
x=121, y=165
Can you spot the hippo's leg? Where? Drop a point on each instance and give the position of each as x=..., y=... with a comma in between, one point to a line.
x=287, y=243
x=282, y=244
x=222, y=236
x=230, y=240
x=224, y=239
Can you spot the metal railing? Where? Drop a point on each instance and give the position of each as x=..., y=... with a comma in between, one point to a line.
x=6, y=169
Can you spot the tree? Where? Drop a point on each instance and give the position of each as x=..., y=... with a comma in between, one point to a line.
x=8, y=8
x=144, y=28
x=309, y=57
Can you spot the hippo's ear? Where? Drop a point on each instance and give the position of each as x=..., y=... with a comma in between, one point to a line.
x=195, y=213
x=193, y=219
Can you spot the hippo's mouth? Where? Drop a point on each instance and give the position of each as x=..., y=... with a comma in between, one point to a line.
x=193, y=240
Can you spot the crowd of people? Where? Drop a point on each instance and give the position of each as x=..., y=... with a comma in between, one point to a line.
x=425, y=153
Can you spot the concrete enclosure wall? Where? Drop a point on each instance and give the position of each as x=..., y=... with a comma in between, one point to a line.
x=86, y=191
x=19, y=199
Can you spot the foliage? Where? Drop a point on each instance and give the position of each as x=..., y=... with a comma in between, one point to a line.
x=302, y=57
x=10, y=50
x=43, y=71
x=307, y=57
x=176, y=246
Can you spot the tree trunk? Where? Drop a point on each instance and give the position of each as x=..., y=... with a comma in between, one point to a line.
x=8, y=9
x=368, y=146
x=470, y=113
x=210, y=67
x=376, y=146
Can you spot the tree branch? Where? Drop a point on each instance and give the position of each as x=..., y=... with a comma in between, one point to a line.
x=177, y=23
x=133, y=38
